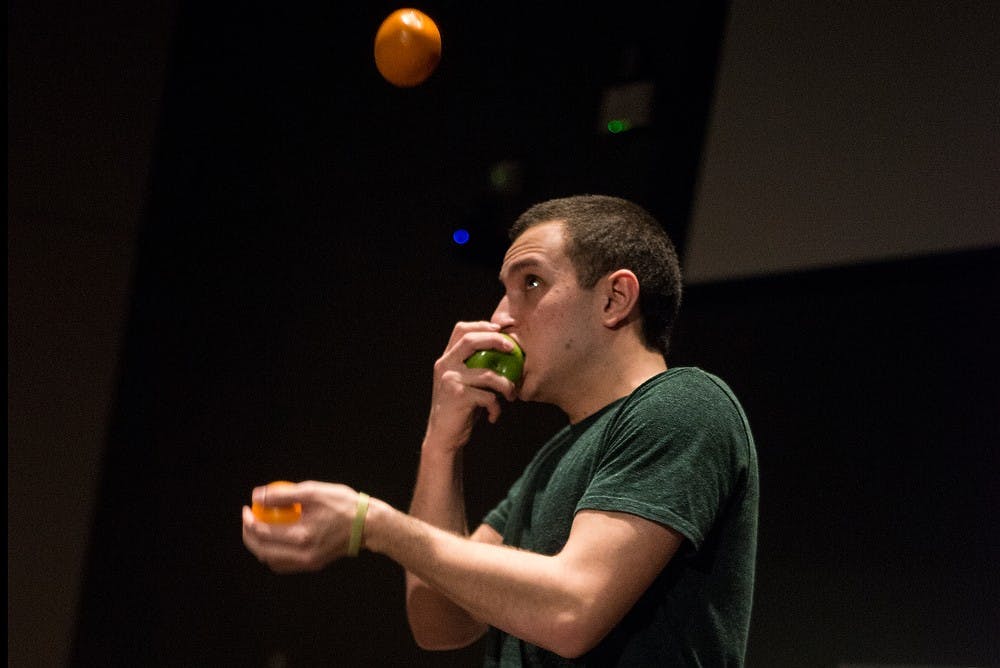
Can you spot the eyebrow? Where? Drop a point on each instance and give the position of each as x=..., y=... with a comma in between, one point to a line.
x=518, y=265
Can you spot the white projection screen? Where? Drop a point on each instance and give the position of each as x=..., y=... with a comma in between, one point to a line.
x=849, y=132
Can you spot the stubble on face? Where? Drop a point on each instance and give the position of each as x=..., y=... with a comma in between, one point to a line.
x=549, y=312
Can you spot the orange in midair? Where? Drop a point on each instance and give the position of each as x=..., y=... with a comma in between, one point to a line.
x=407, y=48
x=277, y=514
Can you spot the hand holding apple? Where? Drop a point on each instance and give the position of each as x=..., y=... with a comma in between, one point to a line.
x=469, y=378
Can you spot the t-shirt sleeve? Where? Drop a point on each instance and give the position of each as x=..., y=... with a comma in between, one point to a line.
x=672, y=457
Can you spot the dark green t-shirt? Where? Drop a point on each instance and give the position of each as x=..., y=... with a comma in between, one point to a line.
x=677, y=451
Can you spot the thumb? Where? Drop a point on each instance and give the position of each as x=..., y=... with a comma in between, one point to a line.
x=278, y=493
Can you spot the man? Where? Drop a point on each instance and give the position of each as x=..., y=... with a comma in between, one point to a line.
x=630, y=539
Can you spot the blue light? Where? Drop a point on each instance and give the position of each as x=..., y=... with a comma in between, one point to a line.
x=460, y=237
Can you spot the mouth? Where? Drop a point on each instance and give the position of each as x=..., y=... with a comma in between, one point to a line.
x=517, y=341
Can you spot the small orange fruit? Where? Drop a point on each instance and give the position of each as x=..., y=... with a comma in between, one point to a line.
x=407, y=47
x=277, y=514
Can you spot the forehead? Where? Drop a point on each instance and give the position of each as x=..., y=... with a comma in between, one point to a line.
x=544, y=243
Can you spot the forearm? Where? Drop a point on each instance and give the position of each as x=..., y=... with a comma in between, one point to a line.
x=439, y=500
x=459, y=396
x=531, y=596
x=439, y=496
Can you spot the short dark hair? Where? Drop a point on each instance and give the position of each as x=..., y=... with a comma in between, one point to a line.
x=608, y=233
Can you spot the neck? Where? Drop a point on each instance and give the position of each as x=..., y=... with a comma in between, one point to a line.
x=616, y=376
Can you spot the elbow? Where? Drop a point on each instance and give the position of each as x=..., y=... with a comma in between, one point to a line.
x=438, y=625
x=574, y=634
x=424, y=638
x=431, y=643
x=434, y=641
x=572, y=646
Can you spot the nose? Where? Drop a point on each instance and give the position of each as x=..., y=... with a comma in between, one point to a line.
x=501, y=315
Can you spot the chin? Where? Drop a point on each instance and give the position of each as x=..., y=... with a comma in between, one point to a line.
x=524, y=391
x=528, y=391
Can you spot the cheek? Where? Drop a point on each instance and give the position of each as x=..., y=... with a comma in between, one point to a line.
x=554, y=351
x=552, y=330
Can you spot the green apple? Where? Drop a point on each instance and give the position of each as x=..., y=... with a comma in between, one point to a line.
x=510, y=365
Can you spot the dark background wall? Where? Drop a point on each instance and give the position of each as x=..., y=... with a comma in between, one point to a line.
x=229, y=261
x=84, y=94
x=848, y=132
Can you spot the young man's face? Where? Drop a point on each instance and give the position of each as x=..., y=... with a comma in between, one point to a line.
x=547, y=313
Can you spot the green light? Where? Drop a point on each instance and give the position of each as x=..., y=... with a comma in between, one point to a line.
x=618, y=125
x=500, y=177
x=505, y=177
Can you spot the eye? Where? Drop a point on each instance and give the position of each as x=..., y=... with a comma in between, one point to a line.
x=531, y=281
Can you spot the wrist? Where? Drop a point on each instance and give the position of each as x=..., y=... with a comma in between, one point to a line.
x=358, y=522
x=447, y=435
x=432, y=452
x=379, y=518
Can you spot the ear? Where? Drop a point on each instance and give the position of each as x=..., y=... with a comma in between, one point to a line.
x=621, y=297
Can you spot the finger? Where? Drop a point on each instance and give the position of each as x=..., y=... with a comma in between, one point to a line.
x=487, y=400
x=491, y=380
x=262, y=534
x=493, y=413
x=269, y=542
x=463, y=328
x=473, y=342
x=250, y=538
x=282, y=550
x=467, y=384
x=282, y=559
x=276, y=495
x=251, y=529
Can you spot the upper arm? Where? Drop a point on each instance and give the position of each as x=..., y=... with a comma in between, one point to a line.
x=612, y=558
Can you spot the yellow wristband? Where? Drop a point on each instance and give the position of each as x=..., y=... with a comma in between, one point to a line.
x=358, y=526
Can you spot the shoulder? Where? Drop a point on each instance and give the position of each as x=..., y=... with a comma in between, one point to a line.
x=684, y=386
x=686, y=403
